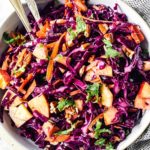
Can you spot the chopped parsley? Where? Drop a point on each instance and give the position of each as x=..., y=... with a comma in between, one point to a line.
x=97, y=134
x=21, y=69
x=109, y=50
x=64, y=132
x=100, y=142
x=65, y=103
x=80, y=27
x=93, y=91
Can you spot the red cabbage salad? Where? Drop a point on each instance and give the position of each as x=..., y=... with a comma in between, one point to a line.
x=82, y=83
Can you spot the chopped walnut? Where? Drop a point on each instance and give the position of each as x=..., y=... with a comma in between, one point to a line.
x=71, y=113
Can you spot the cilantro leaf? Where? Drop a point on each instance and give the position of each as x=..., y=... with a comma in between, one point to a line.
x=73, y=126
x=93, y=90
x=21, y=69
x=64, y=104
x=98, y=126
x=72, y=34
x=109, y=146
x=107, y=43
x=99, y=131
x=109, y=50
x=100, y=142
x=81, y=25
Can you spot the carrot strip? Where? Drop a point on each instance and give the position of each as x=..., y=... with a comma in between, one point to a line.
x=50, y=70
x=75, y=92
x=100, y=116
x=56, y=47
x=51, y=45
x=30, y=90
x=28, y=78
x=64, y=48
x=53, y=55
x=81, y=5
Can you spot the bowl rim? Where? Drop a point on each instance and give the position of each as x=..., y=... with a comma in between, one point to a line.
x=142, y=125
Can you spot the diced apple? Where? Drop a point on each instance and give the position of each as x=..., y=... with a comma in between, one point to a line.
x=103, y=28
x=144, y=91
x=107, y=96
x=49, y=129
x=142, y=100
x=107, y=71
x=146, y=65
x=109, y=115
x=40, y=51
x=19, y=115
x=17, y=101
x=92, y=77
x=61, y=59
x=40, y=104
x=79, y=104
x=4, y=79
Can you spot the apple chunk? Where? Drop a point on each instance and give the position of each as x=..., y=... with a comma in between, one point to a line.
x=40, y=51
x=142, y=100
x=19, y=115
x=11, y=95
x=107, y=96
x=4, y=79
x=109, y=115
x=40, y=104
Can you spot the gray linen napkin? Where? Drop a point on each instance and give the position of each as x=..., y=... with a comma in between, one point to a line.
x=143, y=8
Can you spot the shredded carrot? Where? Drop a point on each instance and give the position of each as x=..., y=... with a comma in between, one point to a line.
x=56, y=47
x=64, y=48
x=28, y=78
x=81, y=5
x=42, y=32
x=50, y=70
x=10, y=49
x=53, y=55
x=75, y=92
x=100, y=116
x=51, y=45
x=30, y=90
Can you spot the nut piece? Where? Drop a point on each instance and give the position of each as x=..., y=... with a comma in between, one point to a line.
x=19, y=115
x=4, y=79
x=70, y=114
x=40, y=104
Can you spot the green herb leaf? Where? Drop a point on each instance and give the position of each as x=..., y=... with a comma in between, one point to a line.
x=72, y=34
x=109, y=51
x=107, y=43
x=7, y=39
x=65, y=103
x=109, y=146
x=100, y=142
x=93, y=90
x=98, y=126
x=99, y=131
x=73, y=126
x=21, y=69
x=81, y=25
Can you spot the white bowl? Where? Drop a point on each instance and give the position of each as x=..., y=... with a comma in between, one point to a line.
x=9, y=134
